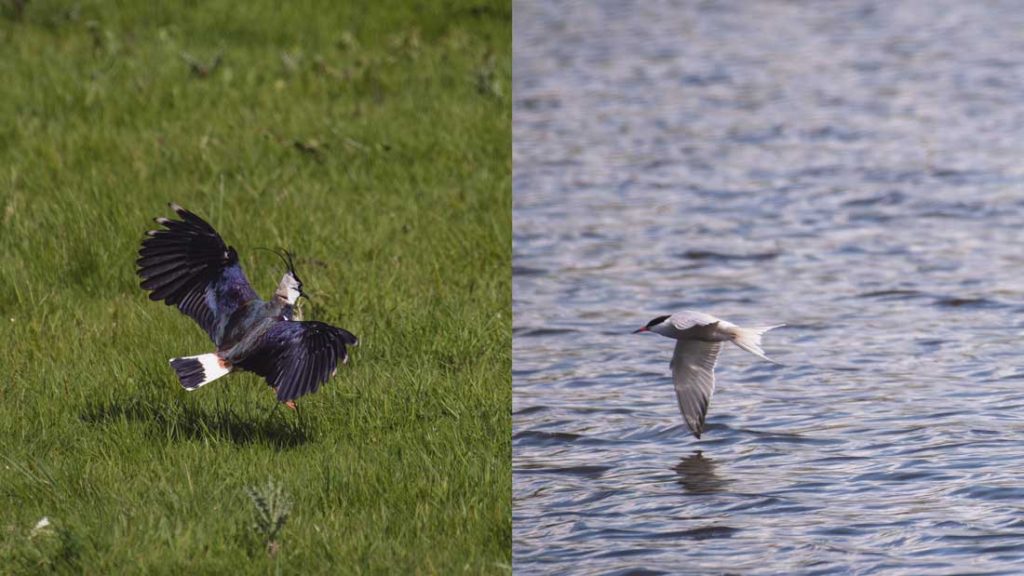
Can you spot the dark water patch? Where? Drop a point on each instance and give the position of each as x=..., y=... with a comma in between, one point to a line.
x=983, y=538
x=523, y=372
x=958, y=302
x=530, y=410
x=705, y=80
x=579, y=383
x=991, y=492
x=842, y=531
x=931, y=343
x=527, y=271
x=889, y=176
x=902, y=476
x=835, y=133
x=636, y=571
x=724, y=257
x=872, y=251
x=762, y=136
x=794, y=510
x=592, y=472
x=894, y=294
x=538, y=104
x=957, y=177
x=889, y=198
x=956, y=211
x=541, y=436
x=806, y=172
x=703, y=533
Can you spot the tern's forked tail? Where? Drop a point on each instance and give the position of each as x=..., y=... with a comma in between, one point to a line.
x=750, y=340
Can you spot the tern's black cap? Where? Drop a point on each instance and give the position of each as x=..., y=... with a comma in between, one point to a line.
x=657, y=321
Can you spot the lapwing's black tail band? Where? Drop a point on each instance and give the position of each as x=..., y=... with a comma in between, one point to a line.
x=196, y=371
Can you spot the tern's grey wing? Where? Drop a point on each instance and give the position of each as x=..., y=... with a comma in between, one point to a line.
x=693, y=372
x=691, y=318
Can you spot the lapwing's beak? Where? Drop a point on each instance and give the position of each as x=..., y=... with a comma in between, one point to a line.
x=639, y=330
x=303, y=295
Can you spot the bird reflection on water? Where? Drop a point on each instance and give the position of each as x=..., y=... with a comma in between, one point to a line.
x=697, y=474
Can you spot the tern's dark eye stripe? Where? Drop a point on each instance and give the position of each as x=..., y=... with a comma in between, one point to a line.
x=657, y=321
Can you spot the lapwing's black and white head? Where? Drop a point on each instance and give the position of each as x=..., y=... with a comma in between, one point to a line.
x=289, y=289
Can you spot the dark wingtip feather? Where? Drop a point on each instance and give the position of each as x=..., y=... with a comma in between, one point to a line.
x=347, y=337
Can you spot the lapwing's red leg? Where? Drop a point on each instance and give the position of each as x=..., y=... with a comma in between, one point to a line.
x=289, y=403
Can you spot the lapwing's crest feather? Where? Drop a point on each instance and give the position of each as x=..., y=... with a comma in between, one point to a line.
x=187, y=264
x=297, y=357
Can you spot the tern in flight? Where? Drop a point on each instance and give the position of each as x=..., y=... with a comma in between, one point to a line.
x=187, y=264
x=699, y=338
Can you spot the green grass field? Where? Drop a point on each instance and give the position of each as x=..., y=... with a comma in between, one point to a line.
x=373, y=139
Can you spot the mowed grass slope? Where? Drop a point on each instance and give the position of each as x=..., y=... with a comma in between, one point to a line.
x=372, y=139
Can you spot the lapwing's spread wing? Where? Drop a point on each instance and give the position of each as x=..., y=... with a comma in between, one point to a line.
x=188, y=265
x=693, y=372
x=297, y=357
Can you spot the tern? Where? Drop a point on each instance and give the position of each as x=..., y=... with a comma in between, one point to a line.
x=699, y=338
x=187, y=264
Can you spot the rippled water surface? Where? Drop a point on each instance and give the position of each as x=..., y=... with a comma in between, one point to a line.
x=854, y=169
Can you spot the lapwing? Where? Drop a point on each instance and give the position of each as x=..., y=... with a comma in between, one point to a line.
x=187, y=264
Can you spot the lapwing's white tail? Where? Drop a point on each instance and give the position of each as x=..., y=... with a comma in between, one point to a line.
x=750, y=340
x=196, y=371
